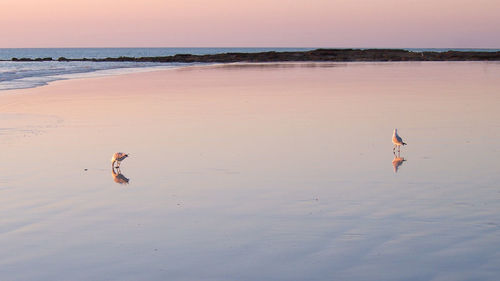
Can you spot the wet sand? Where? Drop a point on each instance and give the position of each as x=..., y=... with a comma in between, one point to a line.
x=255, y=172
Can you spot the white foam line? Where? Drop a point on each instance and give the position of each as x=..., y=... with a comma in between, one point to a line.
x=37, y=81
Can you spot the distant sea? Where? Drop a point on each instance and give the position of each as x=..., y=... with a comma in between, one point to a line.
x=20, y=75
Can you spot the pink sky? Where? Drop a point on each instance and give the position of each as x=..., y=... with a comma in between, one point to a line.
x=266, y=23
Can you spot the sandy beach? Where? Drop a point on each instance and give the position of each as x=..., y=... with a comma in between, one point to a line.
x=255, y=172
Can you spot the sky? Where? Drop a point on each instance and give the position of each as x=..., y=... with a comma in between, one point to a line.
x=256, y=23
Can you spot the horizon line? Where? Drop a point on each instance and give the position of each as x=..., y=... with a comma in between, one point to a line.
x=245, y=47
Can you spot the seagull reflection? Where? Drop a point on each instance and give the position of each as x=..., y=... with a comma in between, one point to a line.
x=117, y=176
x=397, y=161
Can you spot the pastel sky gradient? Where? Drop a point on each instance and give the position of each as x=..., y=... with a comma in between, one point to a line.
x=256, y=23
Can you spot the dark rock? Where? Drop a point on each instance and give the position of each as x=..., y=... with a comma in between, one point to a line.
x=332, y=55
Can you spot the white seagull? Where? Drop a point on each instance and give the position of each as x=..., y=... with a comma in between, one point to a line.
x=397, y=140
x=118, y=158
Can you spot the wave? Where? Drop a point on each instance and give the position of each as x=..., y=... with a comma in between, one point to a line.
x=22, y=75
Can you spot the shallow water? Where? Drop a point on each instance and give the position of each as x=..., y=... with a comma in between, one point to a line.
x=262, y=172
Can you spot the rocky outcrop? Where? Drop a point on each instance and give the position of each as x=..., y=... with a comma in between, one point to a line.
x=30, y=59
x=319, y=55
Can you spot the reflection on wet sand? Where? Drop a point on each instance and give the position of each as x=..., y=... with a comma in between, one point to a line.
x=397, y=161
x=118, y=177
x=272, y=65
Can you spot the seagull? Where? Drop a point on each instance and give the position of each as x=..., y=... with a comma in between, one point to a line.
x=118, y=158
x=397, y=140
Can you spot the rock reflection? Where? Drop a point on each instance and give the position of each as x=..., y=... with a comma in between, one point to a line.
x=397, y=162
x=118, y=177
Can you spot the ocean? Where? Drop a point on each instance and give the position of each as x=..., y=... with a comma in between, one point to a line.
x=21, y=75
